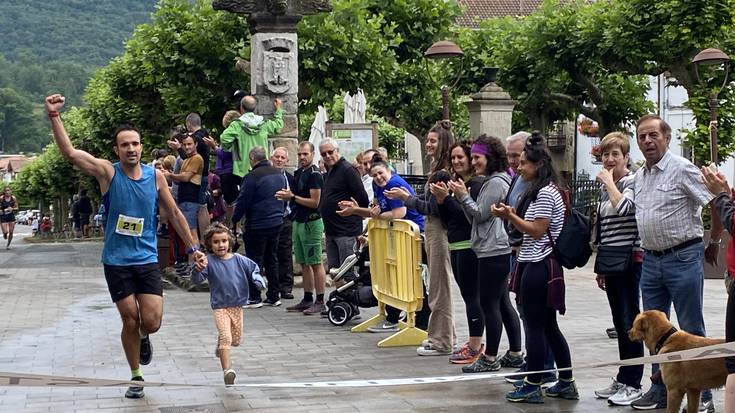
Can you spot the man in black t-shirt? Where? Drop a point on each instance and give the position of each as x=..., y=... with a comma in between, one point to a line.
x=85, y=210
x=308, y=227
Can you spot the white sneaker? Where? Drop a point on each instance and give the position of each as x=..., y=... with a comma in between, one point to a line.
x=229, y=377
x=625, y=396
x=384, y=327
x=429, y=350
x=610, y=390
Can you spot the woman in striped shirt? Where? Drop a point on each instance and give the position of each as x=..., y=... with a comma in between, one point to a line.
x=538, y=278
x=617, y=229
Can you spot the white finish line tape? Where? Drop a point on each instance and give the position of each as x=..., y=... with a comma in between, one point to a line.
x=37, y=380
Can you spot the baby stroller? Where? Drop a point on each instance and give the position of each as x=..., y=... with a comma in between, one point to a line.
x=344, y=303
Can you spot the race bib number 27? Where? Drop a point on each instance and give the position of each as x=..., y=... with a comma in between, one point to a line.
x=129, y=226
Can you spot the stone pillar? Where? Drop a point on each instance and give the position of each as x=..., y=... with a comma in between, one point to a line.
x=491, y=110
x=274, y=73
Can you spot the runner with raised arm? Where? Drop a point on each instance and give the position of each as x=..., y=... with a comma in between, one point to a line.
x=132, y=194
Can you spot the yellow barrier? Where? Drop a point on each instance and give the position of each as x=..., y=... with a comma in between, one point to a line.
x=395, y=270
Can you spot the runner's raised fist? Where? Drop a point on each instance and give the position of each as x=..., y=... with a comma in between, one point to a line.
x=54, y=103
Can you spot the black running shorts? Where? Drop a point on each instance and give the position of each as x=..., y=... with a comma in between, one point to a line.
x=133, y=279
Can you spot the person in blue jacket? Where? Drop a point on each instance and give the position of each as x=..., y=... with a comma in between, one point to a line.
x=263, y=214
x=229, y=277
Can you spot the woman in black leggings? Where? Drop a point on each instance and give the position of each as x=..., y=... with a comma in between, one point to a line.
x=490, y=243
x=538, y=280
x=463, y=259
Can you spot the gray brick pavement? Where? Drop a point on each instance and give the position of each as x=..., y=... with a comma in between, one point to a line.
x=58, y=319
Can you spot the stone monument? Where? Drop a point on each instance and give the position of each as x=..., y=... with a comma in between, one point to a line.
x=274, y=57
x=491, y=109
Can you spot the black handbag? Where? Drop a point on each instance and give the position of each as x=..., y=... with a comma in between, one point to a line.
x=612, y=260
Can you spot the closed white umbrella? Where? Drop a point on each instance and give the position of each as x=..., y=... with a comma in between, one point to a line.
x=349, y=102
x=318, y=131
x=360, y=104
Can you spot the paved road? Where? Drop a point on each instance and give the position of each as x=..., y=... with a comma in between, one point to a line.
x=57, y=318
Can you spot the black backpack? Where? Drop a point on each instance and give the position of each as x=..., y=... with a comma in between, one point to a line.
x=572, y=248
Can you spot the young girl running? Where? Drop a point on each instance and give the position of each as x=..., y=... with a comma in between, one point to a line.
x=228, y=276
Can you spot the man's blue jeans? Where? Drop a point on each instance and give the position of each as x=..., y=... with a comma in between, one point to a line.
x=677, y=278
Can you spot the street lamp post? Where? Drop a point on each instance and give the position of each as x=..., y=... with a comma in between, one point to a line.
x=712, y=57
x=444, y=49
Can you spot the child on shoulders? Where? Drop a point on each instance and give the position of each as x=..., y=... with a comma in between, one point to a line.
x=228, y=276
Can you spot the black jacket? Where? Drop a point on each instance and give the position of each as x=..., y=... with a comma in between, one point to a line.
x=342, y=183
x=452, y=216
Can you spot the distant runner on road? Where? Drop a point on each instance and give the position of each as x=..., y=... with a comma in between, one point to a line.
x=132, y=194
x=8, y=208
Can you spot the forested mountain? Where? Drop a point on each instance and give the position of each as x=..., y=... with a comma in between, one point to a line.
x=51, y=46
x=89, y=32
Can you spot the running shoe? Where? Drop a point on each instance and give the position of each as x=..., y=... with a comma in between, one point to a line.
x=483, y=364
x=315, y=308
x=625, y=396
x=547, y=380
x=466, y=355
x=146, y=350
x=430, y=350
x=508, y=360
x=253, y=304
x=135, y=392
x=610, y=390
x=272, y=303
x=229, y=377
x=654, y=398
x=563, y=389
x=384, y=327
x=528, y=393
x=299, y=307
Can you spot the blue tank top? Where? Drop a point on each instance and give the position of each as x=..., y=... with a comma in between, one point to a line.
x=132, y=219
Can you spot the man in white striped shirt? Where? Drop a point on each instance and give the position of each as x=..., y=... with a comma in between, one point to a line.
x=669, y=194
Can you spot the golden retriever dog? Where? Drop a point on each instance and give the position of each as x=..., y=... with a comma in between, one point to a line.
x=685, y=377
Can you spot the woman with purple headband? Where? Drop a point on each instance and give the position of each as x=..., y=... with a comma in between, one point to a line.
x=490, y=243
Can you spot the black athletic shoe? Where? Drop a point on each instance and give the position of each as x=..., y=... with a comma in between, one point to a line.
x=135, y=392
x=146, y=351
x=287, y=295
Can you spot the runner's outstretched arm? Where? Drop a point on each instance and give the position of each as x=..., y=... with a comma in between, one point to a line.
x=176, y=218
x=99, y=168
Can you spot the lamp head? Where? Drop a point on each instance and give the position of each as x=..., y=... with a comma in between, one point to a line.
x=443, y=49
x=710, y=56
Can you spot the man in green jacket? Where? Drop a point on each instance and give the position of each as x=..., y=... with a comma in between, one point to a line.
x=249, y=131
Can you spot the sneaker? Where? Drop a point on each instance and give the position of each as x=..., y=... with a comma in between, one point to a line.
x=547, y=380
x=430, y=350
x=563, y=389
x=287, y=295
x=654, y=398
x=315, y=308
x=467, y=355
x=625, y=396
x=483, y=364
x=520, y=376
x=611, y=332
x=384, y=327
x=253, y=304
x=704, y=407
x=146, y=351
x=272, y=303
x=528, y=393
x=135, y=392
x=229, y=377
x=508, y=360
x=610, y=390
x=456, y=350
x=300, y=307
